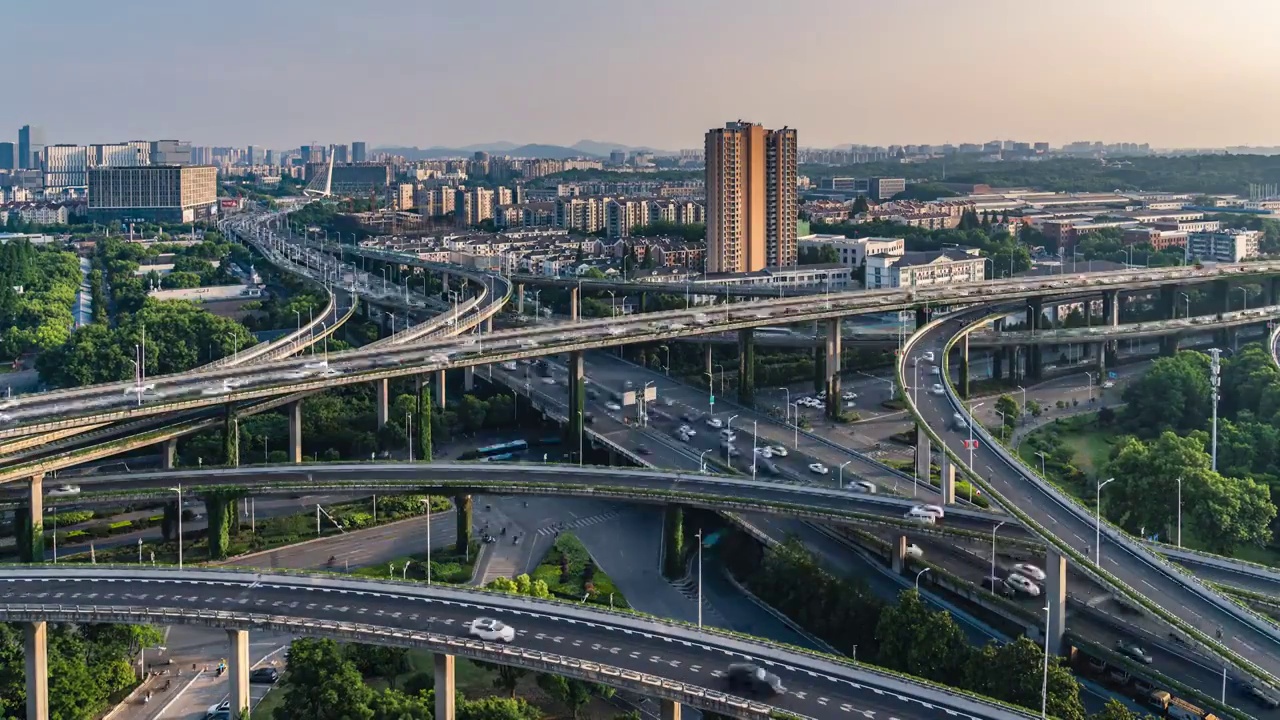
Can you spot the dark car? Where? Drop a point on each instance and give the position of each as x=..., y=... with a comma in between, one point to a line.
x=643, y=449
x=266, y=675
x=754, y=680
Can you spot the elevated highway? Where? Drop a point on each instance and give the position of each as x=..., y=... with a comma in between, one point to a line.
x=35, y=414
x=1247, y=641
x=678, y=663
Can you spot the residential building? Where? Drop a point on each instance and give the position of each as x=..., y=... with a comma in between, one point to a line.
x=828, y=278
x=39, y=213
x=1067, y=232
x=623, y=214
x=584, y=214
x=170, y=152
x=854, y=252
x=154, y=193
x=30, y=147
x=503, y=195
x=751, y=208
x=8, y=156
x=1157, y=238
x=922, y=269
x=475, y=206
x=404, y=196
x=1227, y=246
x=434, y=202
x=64, y=167
x=879, y=188
x=525, y=215
x=359, y=153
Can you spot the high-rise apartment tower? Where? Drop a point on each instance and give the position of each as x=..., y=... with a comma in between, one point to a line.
x=751, y=198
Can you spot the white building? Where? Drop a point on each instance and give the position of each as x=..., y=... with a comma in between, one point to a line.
x=1223, y=245
x=65, y=166
x=853, y=252
x=922, y=269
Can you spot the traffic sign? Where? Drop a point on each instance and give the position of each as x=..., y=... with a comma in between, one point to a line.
x=711, y=400
x=970, y=444
x=1112, y=375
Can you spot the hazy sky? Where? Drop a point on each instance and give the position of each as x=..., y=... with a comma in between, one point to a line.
x=279, y=73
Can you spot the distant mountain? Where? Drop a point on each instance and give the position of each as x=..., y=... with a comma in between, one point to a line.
x=596, y=147
x=556, y=152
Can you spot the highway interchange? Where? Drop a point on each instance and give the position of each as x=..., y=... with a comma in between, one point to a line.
x=108, y=403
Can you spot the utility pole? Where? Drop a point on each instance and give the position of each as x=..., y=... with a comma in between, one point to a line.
x=1215, y=382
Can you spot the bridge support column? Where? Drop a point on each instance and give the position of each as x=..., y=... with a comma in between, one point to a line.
x=1272, y=288
x=469, y=378
x=1111, y=318
x=1055, y=587
x=168, y=453
x=1168, y=302
x=519, y=298
x=1169, y=344
x=1035, y=318
x=670, y=710
x=898, y=560
x=35, y=648
x=709, y=368
x=440, y=396
x=295, y=431
x=922, y=317
x=948, y=484
x=380, y=392
x=964, y=366
x=577, y=398
x=575, y=301
x=1222, y=295
x=444, y=686
x=1102, y=360
x=29, y=523
x=238, y=671
x=444, y=282
x=488, y=324
x=833, y=368
x=924, y=454
x=747, y=367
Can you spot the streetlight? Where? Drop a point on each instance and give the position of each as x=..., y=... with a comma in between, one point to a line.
x=1188, y=299
x=613, y=303
x=699, y=536
x=408, y=431
x=1097, y=548
x=1024, y=404
x=993, y=547
x=426, y=506
x=728, y=426
x=179, y=491
x=1044, y=689
x=785, y=412
x=1179, y=513
x=1244, y=297
x=1090, y=376
x=142, y=659
x=754, y=453
x=1215, y=382
x=795, y=425
x=972, y=419
x=1042, y=472
x=721, y=369
x=840, y=476
x=668, y=349
x=298, y=314
x=918, y=579
x=702, y=465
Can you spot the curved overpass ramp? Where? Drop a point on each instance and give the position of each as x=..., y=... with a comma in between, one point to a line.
x=629, y=651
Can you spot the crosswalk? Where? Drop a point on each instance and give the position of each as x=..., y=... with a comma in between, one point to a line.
x=688, y=586
x=579, y=523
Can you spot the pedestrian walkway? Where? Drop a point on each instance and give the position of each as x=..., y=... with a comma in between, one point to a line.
x=588, y=521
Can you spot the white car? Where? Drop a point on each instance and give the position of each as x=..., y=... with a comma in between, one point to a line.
x=330, y=372
x=863, y=486
x=688, y=430
x=491, y=630
x=850, y=395
x=928, y=356
x=764, y=452
x=64, y=491
x=438, y=358
x=778, y=450
x=316, y=365
x=914, y=552
x=1108, y=385
x=216, y=390
x=1021, y=584
x=937, y=389
x=920, y=516
x=715, y=422
x=1029, y=570
x=548, y=380
x=509, y=365
x=135, y=389
x=934, y=370
x=819, y=469
x=934, y=510
x=613, y=406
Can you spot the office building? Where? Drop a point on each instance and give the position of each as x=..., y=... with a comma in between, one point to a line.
x=129, y=154
x=751, y=198
x=170, y=152
x=358, y=152
x=30, y=147
x=341, y=154
x=879, y=188
x=270, y=158
x=8, y=156
x=65, y=166
x=154, y=193
x=923, y=269
x=1228, y=246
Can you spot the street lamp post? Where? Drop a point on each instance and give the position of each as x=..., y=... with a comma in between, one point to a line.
x=702, y=464
x=1215, y=383
x=699, y=536
x=1188, y=299
x=426, y=505
x=1024, y=404
x=1042, y=456
x=728, y=426
x=408, y=421
x=1044, y=688
x=721, y=369
x=1179, y=513
x=795, y=426
x=993, y=548
x=1244, y=297
x=972, y=420
x=922, y=572
x=754, y=452
x=840, y=475
x=1097, y=531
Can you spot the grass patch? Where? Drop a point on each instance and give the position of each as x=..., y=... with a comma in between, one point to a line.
x=570, y=573
x=447, y=566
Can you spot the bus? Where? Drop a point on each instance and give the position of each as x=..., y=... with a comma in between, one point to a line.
x=507, y=448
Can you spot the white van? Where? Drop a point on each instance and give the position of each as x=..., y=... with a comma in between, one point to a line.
x=935, y=510
x=921, y=516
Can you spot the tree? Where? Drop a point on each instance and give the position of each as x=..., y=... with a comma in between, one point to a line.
x=1014, y=673
x=1173, y=395
x=379, y=661
x=496, y=708
x=1115, y=710
x=506, y=678
x=1009, y=409
x=916, y=640
x=472, y=412
x=860, y=206
x=390, y=704
x=322, y=684
x=574, y=694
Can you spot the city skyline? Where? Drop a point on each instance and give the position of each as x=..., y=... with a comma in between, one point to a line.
x=925, y=71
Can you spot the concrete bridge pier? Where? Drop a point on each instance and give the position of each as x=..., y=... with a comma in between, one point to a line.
x=1102, y=361
x=440, y=376
x=1271, y=291
x=519, y=298
x=469, y=378
x=577, y=398
x=1222, y=295
x=948, y=480
x=833, y=368
x=380, y=401
x=238, y=671
x=898, y=560
x=1055, y=587
x=168, y=453
x=35, y=650
x=964, y=366
x=294, y=410
x=29, y=523
x=922, y=317
x=1035, y=355
x=923, y=454
x=444, y=282
x=670, y=710
x=445, y=688
x=1169, y=344
x=575, y=301
x=747, y=367
x=1168, y=302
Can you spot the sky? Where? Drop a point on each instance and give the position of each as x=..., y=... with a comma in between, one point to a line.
x=280, y=73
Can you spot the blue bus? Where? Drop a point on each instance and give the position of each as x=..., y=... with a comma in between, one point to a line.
x=514, y=446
